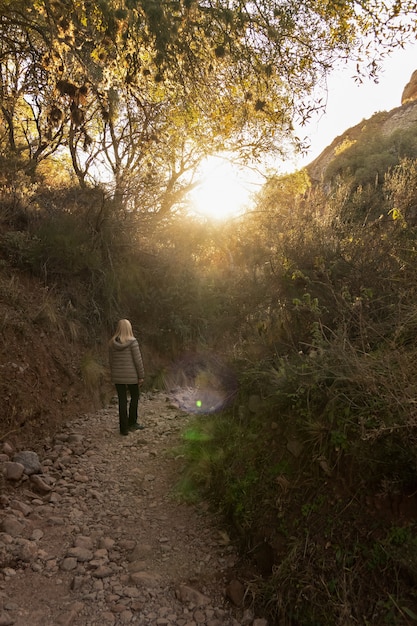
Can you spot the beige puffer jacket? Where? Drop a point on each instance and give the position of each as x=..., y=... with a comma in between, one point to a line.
x=126, y=365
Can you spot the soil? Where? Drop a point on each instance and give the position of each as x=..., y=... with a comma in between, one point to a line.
x=107, y=541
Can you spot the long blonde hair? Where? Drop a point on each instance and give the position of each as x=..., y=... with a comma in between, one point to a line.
x=123, y=332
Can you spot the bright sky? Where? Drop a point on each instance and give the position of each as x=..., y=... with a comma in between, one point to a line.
x=349, y=103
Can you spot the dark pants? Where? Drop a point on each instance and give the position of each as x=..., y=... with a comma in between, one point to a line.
x=126, y=418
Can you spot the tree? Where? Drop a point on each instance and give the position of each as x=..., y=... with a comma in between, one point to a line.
x=122, y=81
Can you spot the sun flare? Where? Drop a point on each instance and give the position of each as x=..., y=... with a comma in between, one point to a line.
x=223, y=191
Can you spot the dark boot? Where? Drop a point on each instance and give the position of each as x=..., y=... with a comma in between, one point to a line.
x=136, y=426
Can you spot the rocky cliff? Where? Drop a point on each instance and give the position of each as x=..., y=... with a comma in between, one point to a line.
x=385, y=123
x=410, y=90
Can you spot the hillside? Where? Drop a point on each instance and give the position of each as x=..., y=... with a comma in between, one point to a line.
x=385, y=123
x=45, y=360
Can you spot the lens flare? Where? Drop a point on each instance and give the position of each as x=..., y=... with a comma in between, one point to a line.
x=201, y=383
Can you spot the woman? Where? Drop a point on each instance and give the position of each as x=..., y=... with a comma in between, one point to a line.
x=127, y=373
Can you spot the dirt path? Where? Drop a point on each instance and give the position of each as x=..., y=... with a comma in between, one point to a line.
x=100, y=539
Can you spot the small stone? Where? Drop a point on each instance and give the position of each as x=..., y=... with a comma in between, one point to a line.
x=101, y=553
x=40, y=483
x=81, y=554
x=13, y=470
x=37, y=534
x=27, y=550
x=235, y=591
x=24, y=508
x=9, y=571
x=75, y=438
x=126, y=617
x=69, y=564
x=107, y=543
x=5, y=619
x=81, y=478
x=137, y=566
x=141, y=551
x=145, y=579
x=12, y=526
x=131, y=592
x=103, y=572
x=199, y=617
x=247, y=617
x=84, y=542
x=189, y=595
x=29, y=460
x=8, y=449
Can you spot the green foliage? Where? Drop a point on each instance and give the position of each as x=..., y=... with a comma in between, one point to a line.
x=368, y=159
x=400, y=186
x=328, y=448
x=18, y=247
x=223, y=464
x=64, y=248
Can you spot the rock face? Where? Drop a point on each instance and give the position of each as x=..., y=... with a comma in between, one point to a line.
x=410, y=90
x=402, y=117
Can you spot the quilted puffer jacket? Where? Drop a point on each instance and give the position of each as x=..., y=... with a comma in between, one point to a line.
x=126, y=365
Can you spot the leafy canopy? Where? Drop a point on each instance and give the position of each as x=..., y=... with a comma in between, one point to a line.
x=101, y=77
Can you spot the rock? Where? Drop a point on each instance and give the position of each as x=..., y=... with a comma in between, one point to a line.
x=69, y=563
x=103, y=572
x=6, y=619
x=247, y=618
x=55, y=498
x=188, y=595
x=37, y=534
x=137, y=566
x=84, y=542
x=410, y=90
x=11, y=526
x=235, y=591
x=40, y=483
x=29, y=460
x=24, y=508
x=68, y=617
x=107, y=543
x=8, y=449
x=141, y=551
x=13, y=470
x=75, y=438
x=81, y=554
x=26, y=550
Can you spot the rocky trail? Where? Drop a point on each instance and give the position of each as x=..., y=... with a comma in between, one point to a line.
x=90, y=533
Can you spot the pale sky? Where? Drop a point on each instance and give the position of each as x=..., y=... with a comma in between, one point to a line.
x=348, y=103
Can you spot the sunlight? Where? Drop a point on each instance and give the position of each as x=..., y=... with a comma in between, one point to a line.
x=224, y=191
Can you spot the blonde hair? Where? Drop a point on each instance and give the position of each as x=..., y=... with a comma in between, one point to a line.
x=123, y=332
